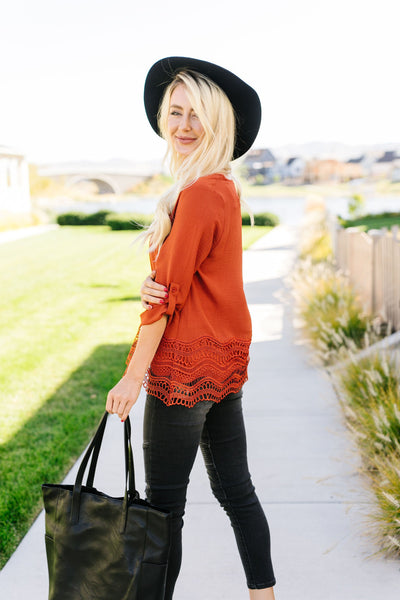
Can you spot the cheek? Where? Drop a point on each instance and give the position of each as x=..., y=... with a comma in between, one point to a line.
x=171, y=124
x=200, y=130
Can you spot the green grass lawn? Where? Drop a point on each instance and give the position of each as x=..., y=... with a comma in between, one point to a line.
x=252, y=234
x=69, y=309
x=373, y=222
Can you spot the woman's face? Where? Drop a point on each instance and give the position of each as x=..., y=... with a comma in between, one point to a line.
x=184, y=126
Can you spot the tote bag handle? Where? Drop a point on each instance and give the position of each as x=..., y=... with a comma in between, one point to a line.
x=93, y=453
x=128, y=456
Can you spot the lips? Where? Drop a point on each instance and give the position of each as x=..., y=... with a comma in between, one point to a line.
x=185, y=140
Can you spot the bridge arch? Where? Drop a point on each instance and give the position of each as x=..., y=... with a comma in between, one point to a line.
x=105, y=185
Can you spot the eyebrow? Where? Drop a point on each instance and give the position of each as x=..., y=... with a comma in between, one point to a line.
x=180, y=107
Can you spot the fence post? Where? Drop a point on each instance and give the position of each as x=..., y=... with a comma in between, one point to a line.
x=377, y=292
x=352, y=269
x=396, y=276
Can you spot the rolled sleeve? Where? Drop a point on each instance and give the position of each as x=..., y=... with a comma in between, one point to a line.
x=197, y=228
x=151, y=316
x=173, y=293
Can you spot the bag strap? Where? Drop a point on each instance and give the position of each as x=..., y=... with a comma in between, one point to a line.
x=129, y=464
x=128, y=458
x=93, y=453
x=95, y=457
x=133, y=494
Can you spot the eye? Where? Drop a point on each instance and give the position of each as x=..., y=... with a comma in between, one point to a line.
x=175, y=113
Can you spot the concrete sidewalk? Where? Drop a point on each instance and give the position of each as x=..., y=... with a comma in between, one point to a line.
x=303, y=464
x=19, y=234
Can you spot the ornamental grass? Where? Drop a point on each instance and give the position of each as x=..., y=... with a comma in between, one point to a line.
x=369, y=391
x=331, y=314
x=367, y=384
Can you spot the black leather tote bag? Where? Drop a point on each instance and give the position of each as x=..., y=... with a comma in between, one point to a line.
x=100, y=547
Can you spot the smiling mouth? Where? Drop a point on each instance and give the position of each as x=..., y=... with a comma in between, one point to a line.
x=185, y=140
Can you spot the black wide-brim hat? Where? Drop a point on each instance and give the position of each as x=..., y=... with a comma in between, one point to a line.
x=244, y=99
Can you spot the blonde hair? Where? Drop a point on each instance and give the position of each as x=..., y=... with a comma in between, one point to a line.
x=213, y=155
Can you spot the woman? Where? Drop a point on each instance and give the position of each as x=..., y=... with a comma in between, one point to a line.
x=192, y=348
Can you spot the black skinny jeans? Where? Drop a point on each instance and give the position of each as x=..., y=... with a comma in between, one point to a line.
x=172, y=435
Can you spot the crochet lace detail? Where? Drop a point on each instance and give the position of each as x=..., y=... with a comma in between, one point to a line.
x=188, y=372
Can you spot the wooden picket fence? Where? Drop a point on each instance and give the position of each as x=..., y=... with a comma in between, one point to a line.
x=372, y=263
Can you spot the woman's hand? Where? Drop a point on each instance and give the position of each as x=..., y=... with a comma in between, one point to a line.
x=123, y=396
x=152, y=292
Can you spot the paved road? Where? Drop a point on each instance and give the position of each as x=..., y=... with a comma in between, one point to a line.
x=302, y=461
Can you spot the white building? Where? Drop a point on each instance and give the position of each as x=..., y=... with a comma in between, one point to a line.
x=387, y=166
x=14, y=183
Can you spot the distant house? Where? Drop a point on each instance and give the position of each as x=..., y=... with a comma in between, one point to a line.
x=293, y=170
x=356, y=168
x=323, y=170
x=261, y=166
x=14, y=183
x=396, y=174
x=387, y=166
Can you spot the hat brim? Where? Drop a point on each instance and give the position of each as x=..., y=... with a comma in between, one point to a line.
x=244, y=99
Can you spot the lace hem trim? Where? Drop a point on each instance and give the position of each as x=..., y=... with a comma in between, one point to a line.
x=204, y=369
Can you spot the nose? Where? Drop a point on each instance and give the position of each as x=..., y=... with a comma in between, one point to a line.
x=185, y=122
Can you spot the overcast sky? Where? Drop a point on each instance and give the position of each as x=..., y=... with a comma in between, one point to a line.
x=72, y=71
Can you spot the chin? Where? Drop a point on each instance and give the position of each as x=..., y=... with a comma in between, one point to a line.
x=184, y=151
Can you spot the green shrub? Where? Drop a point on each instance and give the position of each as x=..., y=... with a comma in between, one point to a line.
x=132, y=221
x=117, y=221
x=124, y=221
x=356, y=205
x=77, y=218
x=265, y=219
x=71, y=219
x=97, y=218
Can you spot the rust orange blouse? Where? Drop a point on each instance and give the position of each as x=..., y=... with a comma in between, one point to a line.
x=204, y=352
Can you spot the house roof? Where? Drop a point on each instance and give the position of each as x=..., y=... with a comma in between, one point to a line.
x=356, y=161
x=389, y=156
x=291, y=160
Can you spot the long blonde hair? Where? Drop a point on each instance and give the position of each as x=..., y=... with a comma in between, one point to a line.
x=213, y=155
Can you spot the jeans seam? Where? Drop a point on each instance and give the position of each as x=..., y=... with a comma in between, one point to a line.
x=244, y=545
x=150, y=433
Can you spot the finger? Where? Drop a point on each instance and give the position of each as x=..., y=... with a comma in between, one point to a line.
x=155, y=292
x=153, y=297
x=122, y=409
x=127, y=410
x=153, y=285
x=146, y=306
x=119, y=406
x=151, y=282
x=109, y=403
